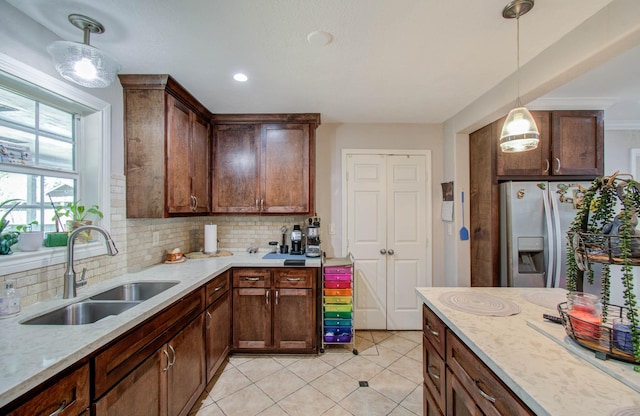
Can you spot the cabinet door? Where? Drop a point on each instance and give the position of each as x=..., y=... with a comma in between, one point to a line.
x=532, y=162
x=578, y=143
x=286, y=169
x=218, y=333
x=294, y=321
x=200, y=166
x=459, y=402
x=178, y=157
x=251, y=317
x=433, y=371
x=186, y=375
x=67, y=396
x=236, y=168
x=142, y=392
x=430, y=408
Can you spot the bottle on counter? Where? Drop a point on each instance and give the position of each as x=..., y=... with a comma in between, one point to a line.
x=9, y=300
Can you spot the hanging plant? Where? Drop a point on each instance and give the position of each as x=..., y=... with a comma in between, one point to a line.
x=604, y=231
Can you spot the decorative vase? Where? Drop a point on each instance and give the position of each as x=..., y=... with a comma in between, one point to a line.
x=83, y=237
x=30, y=241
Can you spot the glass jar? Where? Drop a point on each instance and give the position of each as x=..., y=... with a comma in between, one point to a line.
x=273, y=247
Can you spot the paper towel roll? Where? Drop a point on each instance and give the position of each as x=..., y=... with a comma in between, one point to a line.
x=210, y=238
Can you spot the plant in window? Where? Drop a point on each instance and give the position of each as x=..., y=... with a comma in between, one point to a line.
x=9, y=238
x=604, y=231
x=29, y=239
x=78, y=215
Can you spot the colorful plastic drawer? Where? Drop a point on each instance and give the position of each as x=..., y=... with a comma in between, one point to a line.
x=337, y=330
x=337, y=284
x=337, y=308
x=338, y=338
x=337, y=315
x=337, y=277
x=337, y=292
x=337, y=269
x=337, y=299
x=337, y=322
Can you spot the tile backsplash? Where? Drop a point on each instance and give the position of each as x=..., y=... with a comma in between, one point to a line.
x=135, y=242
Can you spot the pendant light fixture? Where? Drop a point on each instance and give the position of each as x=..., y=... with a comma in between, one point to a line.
x=519, y=132
x=80, y=62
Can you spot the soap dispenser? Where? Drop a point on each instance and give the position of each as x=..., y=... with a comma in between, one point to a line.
x=9, y=300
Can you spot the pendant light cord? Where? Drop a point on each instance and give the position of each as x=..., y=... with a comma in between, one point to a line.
x=518, y=103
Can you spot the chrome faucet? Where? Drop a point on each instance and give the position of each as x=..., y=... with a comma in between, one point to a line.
x=70, y=282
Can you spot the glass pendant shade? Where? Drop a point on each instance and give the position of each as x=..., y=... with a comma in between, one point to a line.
x=83, y=64
x=519, y=132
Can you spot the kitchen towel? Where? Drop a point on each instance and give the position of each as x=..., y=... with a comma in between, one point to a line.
x=210, y=238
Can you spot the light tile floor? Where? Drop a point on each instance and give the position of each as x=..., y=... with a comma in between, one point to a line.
x=326, y=384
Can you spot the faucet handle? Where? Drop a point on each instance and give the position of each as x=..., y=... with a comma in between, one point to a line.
x=82, y=280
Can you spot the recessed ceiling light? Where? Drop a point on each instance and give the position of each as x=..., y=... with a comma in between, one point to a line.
x=240, y=77
x=319, y=38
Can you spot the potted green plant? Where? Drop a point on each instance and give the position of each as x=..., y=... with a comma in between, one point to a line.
x=604, y=231
x=29, y=240
x=8, y=238
x=78, y=215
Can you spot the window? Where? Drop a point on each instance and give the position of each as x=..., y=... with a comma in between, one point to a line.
x=37, y=158
x=54, y=148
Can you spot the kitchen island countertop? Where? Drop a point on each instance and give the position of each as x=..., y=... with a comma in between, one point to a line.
x=545, y=375
x=31, y=354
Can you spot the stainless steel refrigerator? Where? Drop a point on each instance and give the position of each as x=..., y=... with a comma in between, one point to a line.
x=534, y=219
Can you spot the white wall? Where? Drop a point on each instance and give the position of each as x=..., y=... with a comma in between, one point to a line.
x=332, y=138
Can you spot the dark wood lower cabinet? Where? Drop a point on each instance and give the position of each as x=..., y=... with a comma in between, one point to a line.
x=430, y=406
x=218, y=333
x=274, y=310
x=456, y=381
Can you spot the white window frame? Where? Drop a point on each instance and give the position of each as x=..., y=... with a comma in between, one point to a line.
x=96, y=140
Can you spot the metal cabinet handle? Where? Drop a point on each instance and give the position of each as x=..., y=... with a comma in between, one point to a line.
x=256, y=203
x=209, y=320
x=63, y=405
x=262, y=205
x=433, y=331
x=293, y=279
x=174, y=356
x=383, y=251
x=482, y=393
x=251, y=279
x=391, y=252
x=277, y=293
x=432, y=373
x=218, y=288
x=547, y=164
x=267, y=296
x=558, y=169
x=168, y=361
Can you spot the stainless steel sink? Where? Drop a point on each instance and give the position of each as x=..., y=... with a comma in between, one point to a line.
x=135, y=291
x=81, y=313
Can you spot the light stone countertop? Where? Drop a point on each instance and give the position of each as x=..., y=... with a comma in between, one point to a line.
x=31, y=354
x=545, y=375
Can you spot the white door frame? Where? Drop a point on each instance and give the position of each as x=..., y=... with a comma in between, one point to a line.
x=428, y=208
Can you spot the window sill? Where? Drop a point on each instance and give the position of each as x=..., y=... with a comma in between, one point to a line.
x=21, y=261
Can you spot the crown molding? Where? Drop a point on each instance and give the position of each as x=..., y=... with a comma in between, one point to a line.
x=572, y=103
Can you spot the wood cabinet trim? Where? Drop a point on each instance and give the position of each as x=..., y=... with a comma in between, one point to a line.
x=308, y=118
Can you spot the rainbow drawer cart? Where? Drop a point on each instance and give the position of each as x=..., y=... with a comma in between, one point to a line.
x=337, y=303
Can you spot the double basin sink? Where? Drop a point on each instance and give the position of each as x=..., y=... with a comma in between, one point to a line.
x=110, y=302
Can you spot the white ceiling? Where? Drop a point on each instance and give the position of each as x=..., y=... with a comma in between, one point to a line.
x=390, y=60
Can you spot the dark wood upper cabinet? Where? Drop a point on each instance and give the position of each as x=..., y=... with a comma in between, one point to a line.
x=264, y=163
x=167, y=148
x=571, y=148
x=571, y=144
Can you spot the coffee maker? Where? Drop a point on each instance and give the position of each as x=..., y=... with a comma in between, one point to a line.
x=296, y=240
x=313, y=238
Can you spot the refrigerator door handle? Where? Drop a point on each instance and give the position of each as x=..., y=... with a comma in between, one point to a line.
x=550, y=238
x=557, y=235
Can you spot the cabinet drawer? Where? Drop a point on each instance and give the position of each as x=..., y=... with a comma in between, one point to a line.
x=434, y=330
x=115, y=361
x=251, y=278
x=216, y=288
x=433, y=371
x=430, y=408
x=68, y=396
x=489, y=393
x=295, y=278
